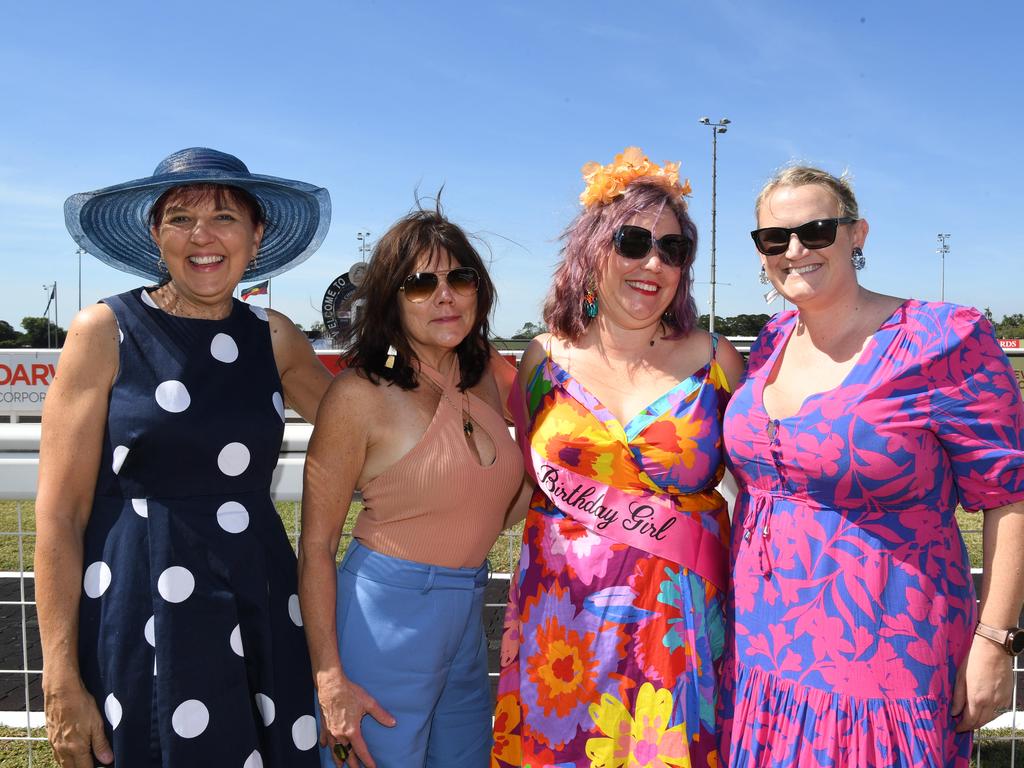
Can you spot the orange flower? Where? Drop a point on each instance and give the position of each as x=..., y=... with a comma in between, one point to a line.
x=604, y=183
x=507, y=745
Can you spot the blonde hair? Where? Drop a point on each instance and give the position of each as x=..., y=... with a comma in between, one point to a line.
x=800, y=175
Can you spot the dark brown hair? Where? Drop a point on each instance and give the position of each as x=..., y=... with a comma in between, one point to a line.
x=588, y=240
x=221, y=194
x=378, y=322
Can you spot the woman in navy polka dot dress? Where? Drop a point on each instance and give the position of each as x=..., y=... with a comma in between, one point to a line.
x=165, y=580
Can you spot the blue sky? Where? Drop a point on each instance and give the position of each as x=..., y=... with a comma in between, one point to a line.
x=502, y=102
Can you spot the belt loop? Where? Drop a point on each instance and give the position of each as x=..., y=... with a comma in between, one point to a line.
x=431, y=572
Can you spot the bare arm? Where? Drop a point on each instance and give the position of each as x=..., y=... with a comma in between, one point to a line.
x=334, y=462
x=74, y=416
x=304, y=378
x=532, y=357
x=984, y=682
x=731, y=362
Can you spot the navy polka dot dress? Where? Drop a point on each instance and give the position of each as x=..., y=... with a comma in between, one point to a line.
x=190, y=637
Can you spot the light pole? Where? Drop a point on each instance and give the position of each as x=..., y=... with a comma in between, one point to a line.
x=716, y=128
x=364, y=244
x=942, y=250
x=80, y=252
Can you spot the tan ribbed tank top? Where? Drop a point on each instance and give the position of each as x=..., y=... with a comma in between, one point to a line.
x=437, y=504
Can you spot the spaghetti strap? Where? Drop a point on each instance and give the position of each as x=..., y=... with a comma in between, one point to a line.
x=714, y=346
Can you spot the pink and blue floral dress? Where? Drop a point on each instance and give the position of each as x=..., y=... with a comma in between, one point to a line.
x=852, y=604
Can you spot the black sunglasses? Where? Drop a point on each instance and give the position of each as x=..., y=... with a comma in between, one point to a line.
x=820, y=233
x=420, y=286
x=634, y=242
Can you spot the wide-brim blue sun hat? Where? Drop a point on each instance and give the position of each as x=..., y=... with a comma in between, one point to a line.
x=113, y=223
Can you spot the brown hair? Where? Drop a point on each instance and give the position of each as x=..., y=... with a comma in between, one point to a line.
x=221, y=194
x=378, y=323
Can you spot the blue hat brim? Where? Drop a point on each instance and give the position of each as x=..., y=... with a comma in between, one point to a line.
x=112, y=223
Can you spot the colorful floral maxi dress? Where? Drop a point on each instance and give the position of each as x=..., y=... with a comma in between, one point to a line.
x=852, y=604
x=610, y=655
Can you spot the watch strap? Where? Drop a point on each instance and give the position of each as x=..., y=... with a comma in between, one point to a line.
x=1001, y=637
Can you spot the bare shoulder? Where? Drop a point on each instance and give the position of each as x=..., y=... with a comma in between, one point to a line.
x=92, y=343
x=351, y=392
x=282, y=326
x=535, y=352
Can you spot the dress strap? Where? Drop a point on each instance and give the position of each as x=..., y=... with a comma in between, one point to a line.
x=714, y=345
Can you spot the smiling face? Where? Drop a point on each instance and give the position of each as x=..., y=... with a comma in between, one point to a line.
x=634, y=293
x=436, y=326
x=207, y=245
x=810, y=278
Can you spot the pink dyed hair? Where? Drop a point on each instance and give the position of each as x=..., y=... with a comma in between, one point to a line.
x=588, y=240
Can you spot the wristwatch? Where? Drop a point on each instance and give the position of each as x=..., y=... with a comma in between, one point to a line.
x=1011, y=640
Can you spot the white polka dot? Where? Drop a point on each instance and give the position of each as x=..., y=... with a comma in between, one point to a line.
x=232, y=517
x=254, y=760
x=259, y=312
x=176, y=584
x=223, y=348
x=233, y=459
x=120, y=336
x=154, y=666
x=150, y=631
x=97, y=579
x=278, y=404
x=172, y=396
x=293, y=610
x=147, y=299
x=112, y=709
x=266, y=707
x=236, y=641
x=190, y=719
x=120, y=454
x=141, y=507
x=304, y=732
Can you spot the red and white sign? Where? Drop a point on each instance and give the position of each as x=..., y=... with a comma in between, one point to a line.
x=1010, y=343
x=25, y=376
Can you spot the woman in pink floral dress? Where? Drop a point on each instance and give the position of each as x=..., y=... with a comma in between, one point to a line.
x=861, y=422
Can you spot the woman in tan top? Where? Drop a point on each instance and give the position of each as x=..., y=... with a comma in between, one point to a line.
x=416, y=424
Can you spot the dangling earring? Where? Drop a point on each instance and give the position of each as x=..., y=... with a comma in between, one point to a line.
x=161, y=265
x=392, y=353
x=763, y=277
x=590, y=300
x=857, y=257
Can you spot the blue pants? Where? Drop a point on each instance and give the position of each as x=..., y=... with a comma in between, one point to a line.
x=412, y=635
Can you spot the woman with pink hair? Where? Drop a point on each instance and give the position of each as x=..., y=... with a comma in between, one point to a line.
x=615, y=622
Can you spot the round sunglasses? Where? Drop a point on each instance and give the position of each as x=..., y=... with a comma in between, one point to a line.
x=420, y=286
x=632, y=242
x=817, y=234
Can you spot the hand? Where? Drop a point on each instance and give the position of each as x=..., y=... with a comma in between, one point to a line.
x=984, y=684
x=342, y=706
x=75, y=728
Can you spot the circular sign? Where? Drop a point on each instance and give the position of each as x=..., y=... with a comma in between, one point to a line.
x=337, y=306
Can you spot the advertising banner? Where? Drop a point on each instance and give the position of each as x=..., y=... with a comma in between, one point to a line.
x=25, y=375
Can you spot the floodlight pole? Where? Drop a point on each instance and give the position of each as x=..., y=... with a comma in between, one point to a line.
x=942, y=250
x=716, y=128
x=364, y=244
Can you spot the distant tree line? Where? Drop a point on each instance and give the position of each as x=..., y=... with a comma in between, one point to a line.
x=1011, y=326
x=33, y=335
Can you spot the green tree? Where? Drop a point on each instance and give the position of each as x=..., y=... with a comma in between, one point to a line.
x=36, y=335
x=530, y=330
x=7, y=334
x=1011, y=327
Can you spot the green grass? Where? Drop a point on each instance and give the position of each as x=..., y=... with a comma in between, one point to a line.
x=15, y=754
x=970, y=528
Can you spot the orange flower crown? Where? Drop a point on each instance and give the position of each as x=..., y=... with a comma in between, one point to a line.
x=607, y=182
